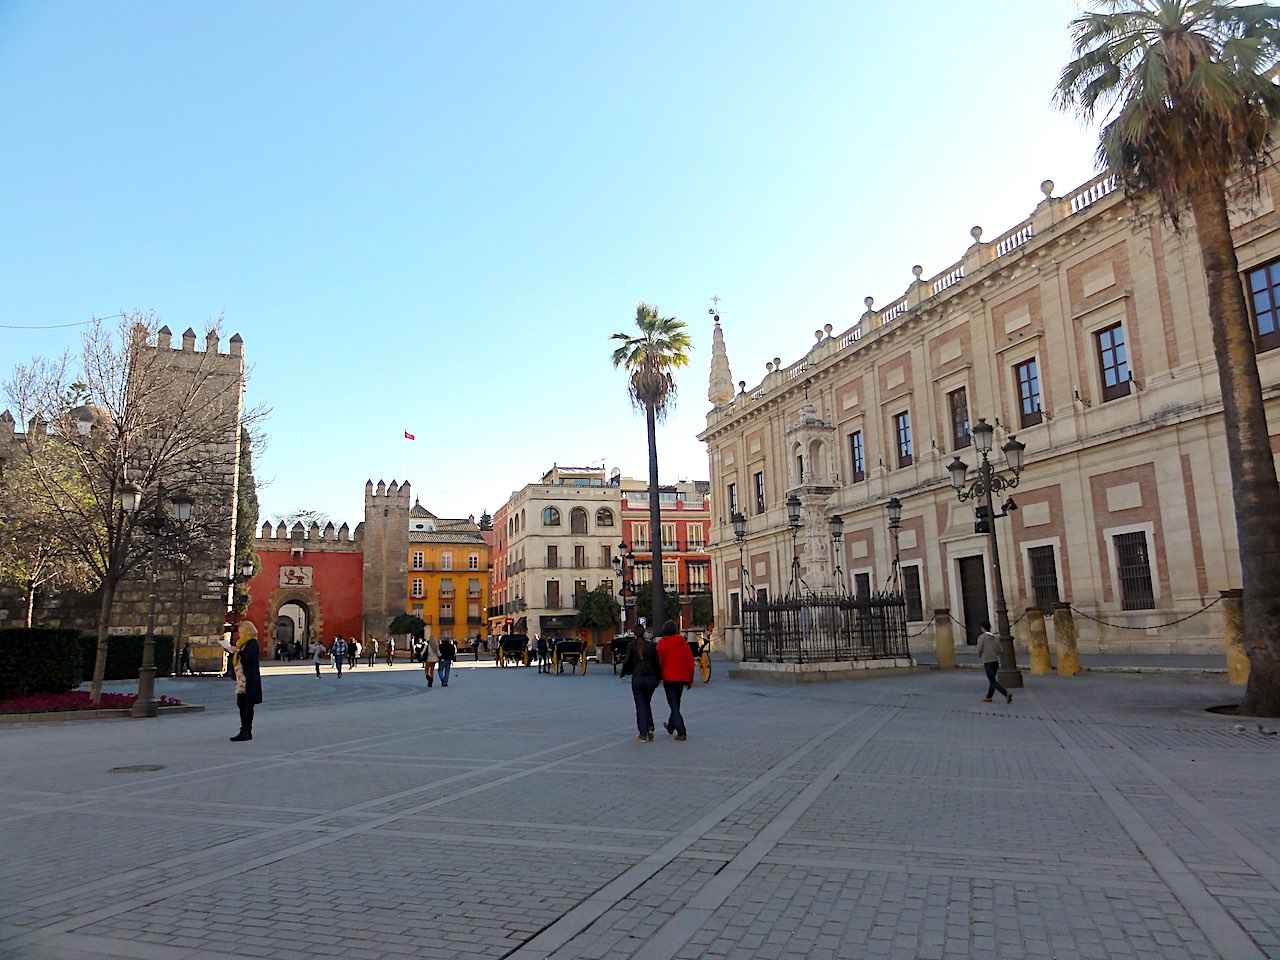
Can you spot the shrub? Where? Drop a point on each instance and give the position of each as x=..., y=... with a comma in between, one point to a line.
x=39, y=660
x=124, y=655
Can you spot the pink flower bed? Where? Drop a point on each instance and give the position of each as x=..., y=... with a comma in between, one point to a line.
x=75, y=700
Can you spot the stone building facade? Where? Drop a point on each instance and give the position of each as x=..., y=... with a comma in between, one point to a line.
x=1084, y=332
x=197, y=594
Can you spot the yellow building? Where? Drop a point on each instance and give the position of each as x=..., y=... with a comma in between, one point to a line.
x=448, y=576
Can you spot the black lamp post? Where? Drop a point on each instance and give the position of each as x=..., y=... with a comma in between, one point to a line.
x=793, y=521
x=837, y=537
x=740, y=534
x=146, y=704
x=894, y=507
x=242, y=575
x=988, y=483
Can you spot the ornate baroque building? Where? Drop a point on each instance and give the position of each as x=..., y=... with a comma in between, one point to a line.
x=1083, y=330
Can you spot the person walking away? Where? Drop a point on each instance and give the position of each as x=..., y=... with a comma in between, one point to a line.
x=430, y=654
x=989, y=654
x=371, y=648
x=641, y=664
x=676, y=661
x=391, y=651
x=448, y=653
x=317, y=654
x=184, y=661
x=352, y=649
x=541, y=643
x=339, y=653
x=475, y=647
x=244, y=662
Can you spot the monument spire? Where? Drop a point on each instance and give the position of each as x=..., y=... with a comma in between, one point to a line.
x=720, y=390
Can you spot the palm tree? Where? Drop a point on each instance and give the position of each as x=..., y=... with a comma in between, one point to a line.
x=1185, y=92
x=650, y=359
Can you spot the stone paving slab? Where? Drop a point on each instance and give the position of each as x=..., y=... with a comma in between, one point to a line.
x=513, y=815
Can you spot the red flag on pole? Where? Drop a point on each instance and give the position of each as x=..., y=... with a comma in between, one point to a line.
x=408, y=435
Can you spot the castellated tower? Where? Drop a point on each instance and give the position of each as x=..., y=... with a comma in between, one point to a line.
x=386, y=554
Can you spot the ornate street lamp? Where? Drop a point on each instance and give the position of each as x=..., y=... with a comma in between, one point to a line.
x=894, y=508
x=837, y=536
x=793, y=521
x=982, y=489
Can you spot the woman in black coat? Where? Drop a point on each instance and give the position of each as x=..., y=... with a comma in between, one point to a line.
x=248, y=684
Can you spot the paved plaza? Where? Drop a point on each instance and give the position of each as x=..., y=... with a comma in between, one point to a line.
x=513, y=815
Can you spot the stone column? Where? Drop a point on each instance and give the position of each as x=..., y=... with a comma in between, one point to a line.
x=1037, y=641
x=1064, y=638
x=944, y=638
x=1233, y=636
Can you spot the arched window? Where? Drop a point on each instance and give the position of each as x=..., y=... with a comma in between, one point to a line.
x=577, y=520
x=604, y=517
x=551, y=517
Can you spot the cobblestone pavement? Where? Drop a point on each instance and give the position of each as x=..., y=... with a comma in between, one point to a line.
x=513, y=815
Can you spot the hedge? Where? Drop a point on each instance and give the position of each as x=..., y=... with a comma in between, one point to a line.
x=39, y=660
x=124, y=655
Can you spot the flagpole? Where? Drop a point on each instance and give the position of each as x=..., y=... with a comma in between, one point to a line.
x=404, y=453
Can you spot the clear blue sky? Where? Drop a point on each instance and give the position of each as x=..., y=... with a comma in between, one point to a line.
x=431, y=216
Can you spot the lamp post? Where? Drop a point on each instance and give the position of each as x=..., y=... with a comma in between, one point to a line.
x=793, y=521
x=740, y=534
x=837, y=536
x=146, y=704
x=894, y=507
x=988, y=483
x=242, y=575
x=624, y=563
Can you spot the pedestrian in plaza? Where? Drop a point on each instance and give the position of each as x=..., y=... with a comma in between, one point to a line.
x=476, y=644
x=184, y=660
x=541, y=643
x=317, y=654
x=676, y=661
x=244, y=663
x=448, y=653
x=641, y=664
x=371, y=648
x=989, y=654
x=353, y=651
x=430, y=655
x=391, y=651
x=338, y=650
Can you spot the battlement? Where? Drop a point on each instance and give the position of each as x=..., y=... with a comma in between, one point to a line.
x=164, y=341
x=398, y=494
x=311, y=537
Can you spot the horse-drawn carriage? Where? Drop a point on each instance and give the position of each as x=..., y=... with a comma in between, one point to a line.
x=618, y=648
x=513, y=650
x=568, y=652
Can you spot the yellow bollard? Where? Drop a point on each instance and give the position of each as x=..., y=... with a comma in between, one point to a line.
x=1233, y=636
x=1037, y=641
x=944, y=639
x=1064, y=638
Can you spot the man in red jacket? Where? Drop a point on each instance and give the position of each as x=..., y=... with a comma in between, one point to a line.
x=676, y=661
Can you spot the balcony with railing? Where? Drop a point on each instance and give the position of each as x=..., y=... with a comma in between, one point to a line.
x=553, y=603
x=446, y=621
x=473, y=621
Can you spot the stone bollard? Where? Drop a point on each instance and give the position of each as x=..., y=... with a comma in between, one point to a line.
x=1233, y=636
x=944, y=639
x=1064, y=638
x=1037, y=641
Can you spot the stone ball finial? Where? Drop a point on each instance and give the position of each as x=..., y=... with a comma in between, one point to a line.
x=777, y=363
x=742, y=386
x=1047, y=189
x=868, y=301
x=917, y=270
x=768, y=367
x=976, y=233
x=827, y=328
x=817, y=335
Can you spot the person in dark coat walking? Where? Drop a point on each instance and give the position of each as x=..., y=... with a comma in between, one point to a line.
x=641, y=664
x=244, y=661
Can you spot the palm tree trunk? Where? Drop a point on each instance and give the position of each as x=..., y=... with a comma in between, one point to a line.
x=657, y=613
x=1253, y=475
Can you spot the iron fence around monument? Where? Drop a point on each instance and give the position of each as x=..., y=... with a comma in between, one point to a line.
x=816, y=628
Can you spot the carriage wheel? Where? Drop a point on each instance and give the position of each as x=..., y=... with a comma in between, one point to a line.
x=704, y=665
x=583, y=657
x=526, y=658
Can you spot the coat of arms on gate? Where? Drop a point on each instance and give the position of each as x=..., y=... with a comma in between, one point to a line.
x=296, y=576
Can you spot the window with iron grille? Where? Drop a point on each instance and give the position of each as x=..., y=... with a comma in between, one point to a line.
x=862, y=585
x=958, y=404
x=760, y=493
x=902, y=431
x=1134, y=569
x=857, y=459
x=735, y=612
x=1028, y=393
x=733, y=499
x=1264, y=301
x=1113, y=362
x=911, y=593
x=1044, y=577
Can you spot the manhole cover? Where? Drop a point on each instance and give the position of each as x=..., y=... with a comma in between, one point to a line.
x=138, y=768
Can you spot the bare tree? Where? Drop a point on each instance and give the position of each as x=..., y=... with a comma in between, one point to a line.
x=132, y=414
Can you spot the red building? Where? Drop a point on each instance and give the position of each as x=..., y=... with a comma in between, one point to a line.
x=685, y=528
